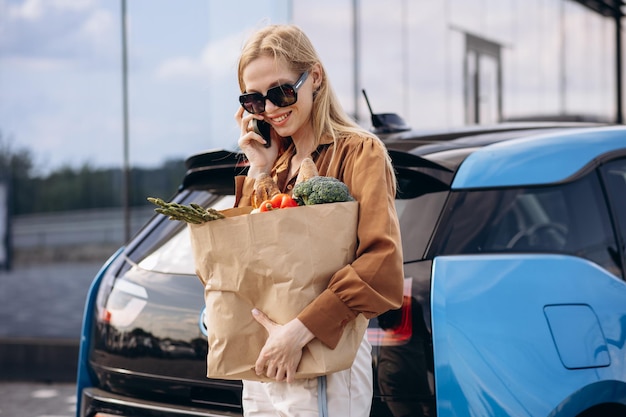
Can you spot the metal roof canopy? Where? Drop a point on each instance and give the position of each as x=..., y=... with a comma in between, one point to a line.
x=612, y=9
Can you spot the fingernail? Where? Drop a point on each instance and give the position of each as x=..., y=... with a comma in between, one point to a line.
x=255, y=312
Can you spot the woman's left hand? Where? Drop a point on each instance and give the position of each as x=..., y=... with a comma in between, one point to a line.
x=282, y=351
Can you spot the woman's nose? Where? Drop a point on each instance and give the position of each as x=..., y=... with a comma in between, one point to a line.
x=269, y=106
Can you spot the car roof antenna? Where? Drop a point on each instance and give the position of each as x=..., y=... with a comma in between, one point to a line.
x=376, y=122
x=385, y=122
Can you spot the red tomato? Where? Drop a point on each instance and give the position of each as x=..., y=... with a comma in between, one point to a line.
x=277, y=200
x=287, y=202
x=282, y=201
x=266, y=206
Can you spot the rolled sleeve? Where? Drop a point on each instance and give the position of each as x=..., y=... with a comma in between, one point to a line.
x=373, y=282
x=244, y=189
x=327, y=317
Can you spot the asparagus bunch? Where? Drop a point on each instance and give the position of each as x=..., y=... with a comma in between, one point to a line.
x=193, y=213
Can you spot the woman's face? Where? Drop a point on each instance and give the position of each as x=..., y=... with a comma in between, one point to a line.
x=264, y=73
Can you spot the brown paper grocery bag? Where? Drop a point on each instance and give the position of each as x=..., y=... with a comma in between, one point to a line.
x=277, y=262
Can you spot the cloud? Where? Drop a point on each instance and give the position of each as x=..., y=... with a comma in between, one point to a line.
x=176, y=67
x=37, y=9
x=53, y=33
x=218, y=59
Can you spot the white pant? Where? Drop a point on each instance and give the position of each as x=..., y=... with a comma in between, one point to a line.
x=349, y=393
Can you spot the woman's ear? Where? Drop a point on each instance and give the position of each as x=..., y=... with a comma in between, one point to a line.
x=317, y=74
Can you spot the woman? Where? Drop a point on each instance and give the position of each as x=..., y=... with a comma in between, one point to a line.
x=284, y=84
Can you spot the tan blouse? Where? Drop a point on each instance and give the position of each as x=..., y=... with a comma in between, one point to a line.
x=373, y=283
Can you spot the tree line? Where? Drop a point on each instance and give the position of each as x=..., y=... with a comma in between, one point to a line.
x=78, y=188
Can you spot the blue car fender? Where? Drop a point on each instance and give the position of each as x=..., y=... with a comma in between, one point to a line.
x=526, y=335
x=83, y=378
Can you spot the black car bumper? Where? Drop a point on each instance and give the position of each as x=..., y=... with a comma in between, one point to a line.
x=99, y=403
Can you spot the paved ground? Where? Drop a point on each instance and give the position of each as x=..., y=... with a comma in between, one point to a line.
x=41, y=309
x=27, y=399
x=44, y=301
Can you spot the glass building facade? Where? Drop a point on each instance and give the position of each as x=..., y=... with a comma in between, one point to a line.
x=456, y=62
x=437, y=63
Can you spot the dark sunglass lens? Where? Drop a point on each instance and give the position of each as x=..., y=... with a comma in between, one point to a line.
x=253, y=103
x=282, y=96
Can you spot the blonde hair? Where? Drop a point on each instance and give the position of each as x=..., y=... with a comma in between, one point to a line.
x=289, y=45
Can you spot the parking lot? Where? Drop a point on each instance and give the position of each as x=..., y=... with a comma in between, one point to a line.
x=41, y=306
x=37, y=399
x=40, y=317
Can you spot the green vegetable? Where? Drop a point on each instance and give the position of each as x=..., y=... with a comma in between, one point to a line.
x=194, y=213
x=320, y=190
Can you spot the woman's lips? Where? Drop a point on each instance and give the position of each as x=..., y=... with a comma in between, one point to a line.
x=278, y=120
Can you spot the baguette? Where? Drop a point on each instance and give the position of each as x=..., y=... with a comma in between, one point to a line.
x=308, y=170
x=264, y=189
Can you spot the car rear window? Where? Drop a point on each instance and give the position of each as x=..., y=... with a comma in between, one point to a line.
x=570, y=218
x=418, y=217
x=615, y=180
x=168, y=247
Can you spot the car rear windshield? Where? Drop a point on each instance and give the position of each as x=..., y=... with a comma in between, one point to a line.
x=168, y=247
x=570, y=218
x=418, y=217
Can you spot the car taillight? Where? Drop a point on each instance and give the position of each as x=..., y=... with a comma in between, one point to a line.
x=396, y=326
x=104, y=290
x=119, y=300
x=124, y=303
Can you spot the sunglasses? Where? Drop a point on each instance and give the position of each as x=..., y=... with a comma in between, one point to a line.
x=282, y=96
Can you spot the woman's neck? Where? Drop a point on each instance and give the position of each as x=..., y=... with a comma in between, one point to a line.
x=304, y=147
x=304, y=142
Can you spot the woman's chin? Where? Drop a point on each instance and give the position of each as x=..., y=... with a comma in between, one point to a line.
x=284, y=131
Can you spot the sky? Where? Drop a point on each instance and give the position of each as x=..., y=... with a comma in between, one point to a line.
x=61, y=68
x=61, y=77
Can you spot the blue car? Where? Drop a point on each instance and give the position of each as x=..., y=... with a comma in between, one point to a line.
x=514, y=240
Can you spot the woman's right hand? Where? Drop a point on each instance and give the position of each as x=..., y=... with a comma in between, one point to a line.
x=252, y=144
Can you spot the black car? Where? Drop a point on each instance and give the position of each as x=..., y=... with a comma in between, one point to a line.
x=515, y=301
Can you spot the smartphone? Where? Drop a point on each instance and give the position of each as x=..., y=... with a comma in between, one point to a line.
x=263, y=128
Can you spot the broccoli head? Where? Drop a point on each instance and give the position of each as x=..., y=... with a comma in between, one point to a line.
x=320, y=190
